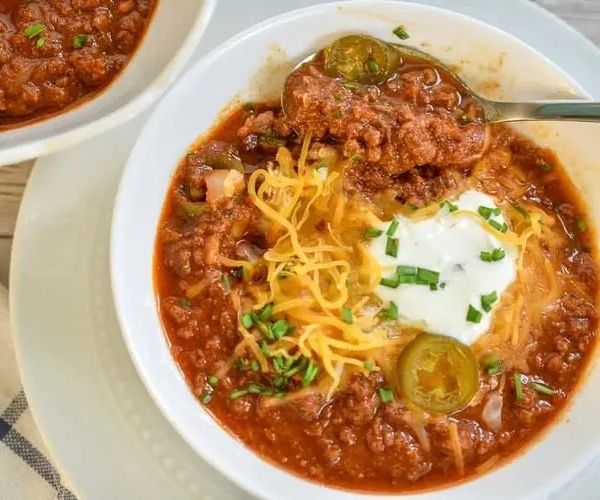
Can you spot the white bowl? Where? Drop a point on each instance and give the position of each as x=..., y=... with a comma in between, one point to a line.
x=253, y=64
x=172, y=36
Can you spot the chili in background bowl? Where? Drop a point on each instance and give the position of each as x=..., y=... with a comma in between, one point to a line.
x=498, y=65
x=162, y=51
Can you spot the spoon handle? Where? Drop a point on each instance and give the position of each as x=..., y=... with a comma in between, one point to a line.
x=578, y=111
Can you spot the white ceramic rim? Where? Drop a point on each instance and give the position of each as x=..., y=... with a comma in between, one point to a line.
x=247, y=471
x=142, y=101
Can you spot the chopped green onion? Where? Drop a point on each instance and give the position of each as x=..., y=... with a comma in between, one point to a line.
x=40, y=42
x=238, y=393
x=279, y=328
x=407, y=280
x=206, y=397
x=264, y=329
x=373, y=66
x=350, y=85
x=347, y=315
x=372, y=233
x=497, y=226
x=492, y=364
x=34, y=30
x=239, y=363
x=451, y=206
x=412, y=206
x=406, y=271
x=393, y=226
x=213, y=380
x=518, y=386
x=487, y=212
x=390, y=313
x=386, y=394
x=247, y=320
x=543, y=389
x=390, y=282
x=226, y=283
x=264, y=348
x=185, y=303
x=493, y=256
x=433, y=287
x=524, y=213
x=582, y=225
x=266, y=312
x=356, y=157
x=391, y=247
x=473, y=315
x=80, y=41
x=254, y=365
x=272, y=139
x=488, y=300
x=401, y=33
x=310, y=374
x=545, y=167
x=368, y=365
x=427, y=276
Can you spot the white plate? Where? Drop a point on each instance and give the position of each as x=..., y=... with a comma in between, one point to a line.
x=101, y=426
x=170, y=41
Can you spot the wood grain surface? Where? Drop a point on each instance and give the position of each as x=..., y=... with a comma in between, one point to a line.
x=584, y=15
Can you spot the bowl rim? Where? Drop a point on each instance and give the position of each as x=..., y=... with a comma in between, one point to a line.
x=53, y=143
x=232, y=473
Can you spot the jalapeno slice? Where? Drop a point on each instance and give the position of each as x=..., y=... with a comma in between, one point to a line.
x=438, y=374
x=362, y=59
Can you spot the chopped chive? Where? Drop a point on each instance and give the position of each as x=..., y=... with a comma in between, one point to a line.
x=493, y=256
x=543, y=389
x=372, y=233
x=406, y=271
x=266, y=312
x=226, y=283
x=451, y=206
x=412, y=206
x=40, y=42
x=34, y=30
x=401, y=33
x=393, y=226
x=433, y=287
x=237, y=393
x=492, y=364
x=390, y=313
x=254, y=365
x=279, y=329
x=347, y=315
x=391, y=247
x=473, y=315
x=213, y=380
x=239, y=363
x=185, y=303
x=524, y=213
x=407, y=280
x=497, y=226
x=206, y=397
x=488, y=300
x=350, y=85
x=373, y=66
x=518, y=386
x=247, y=320
x=386, y=394
x=80, y=41
x=582, y=225
x=310, y=373
x=264, y=329
x=485, y=212
x=368, y=365
x=390, y=282
x=427, y=276
x=545, y=167
x=264, y=348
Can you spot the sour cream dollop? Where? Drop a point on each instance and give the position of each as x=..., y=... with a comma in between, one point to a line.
x=451, y=244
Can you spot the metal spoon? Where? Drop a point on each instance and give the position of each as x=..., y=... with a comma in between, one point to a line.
x=497, y=111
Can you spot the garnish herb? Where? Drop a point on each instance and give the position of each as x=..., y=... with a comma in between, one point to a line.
x=350, y=85
x=205, y=397
x=254, y=365
x=497, y=226
x=543, y=388
x=80, y=41
x=401, y=33
x=247, y=320
x=390, y=313
x=493, y=256
x=524, y=213
x=390, y=282
x=391, y=247
x=347, y=315
x=238, y=393
x=372, y=233
x=492, y=364
x=518, y=386
x=473, y=315
x=40, y=42
x=451, y=206
x=279, y=329
x=427, y=277
x=213, y=380
x=373, y=66
x=266, y=312
x=239, y=363
x=386, y=394
x=310, y=373
x=392, y=229
x=368, y=365
x=488, y=300
x=34, y=30
x=487, y=212
x=264, y=348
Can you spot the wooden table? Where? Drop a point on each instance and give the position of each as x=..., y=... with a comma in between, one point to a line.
x=583, y=14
